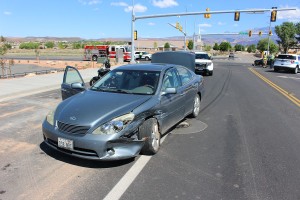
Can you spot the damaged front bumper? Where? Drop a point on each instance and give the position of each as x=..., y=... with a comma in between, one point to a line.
x=95, y=147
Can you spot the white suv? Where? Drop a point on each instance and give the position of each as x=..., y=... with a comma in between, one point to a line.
x=289, y=62
x=203, y=63
x=144, y=56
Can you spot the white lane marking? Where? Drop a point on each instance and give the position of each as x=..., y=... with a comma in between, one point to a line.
x=120, y=188
x=288, y=77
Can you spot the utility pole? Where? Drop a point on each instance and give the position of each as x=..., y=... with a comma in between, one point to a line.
x=132, y=61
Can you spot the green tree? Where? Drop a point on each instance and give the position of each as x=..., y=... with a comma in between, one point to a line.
x=190, y=45
x=262, y=45
x=3, y=47
x=62, y=45
x=207, y=47
x=298, y=31
x=167, y=45
x=155, y=45
x=216, y=47
x=49, y=45
x=251, y=48
x=239, y=47
x=287, y=35
x=225, y=46
x=76, y=45
x=29, y=45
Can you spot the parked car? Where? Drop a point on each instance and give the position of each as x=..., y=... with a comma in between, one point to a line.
x=203, y=62
x=231, y=55
x=142, y=55
x=260, y=62
x=124, y=113
x=287, y=62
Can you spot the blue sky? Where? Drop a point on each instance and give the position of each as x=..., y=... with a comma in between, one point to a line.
x=93, y=19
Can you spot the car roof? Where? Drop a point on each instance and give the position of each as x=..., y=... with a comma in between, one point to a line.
x=146, y=67
x=200, y=52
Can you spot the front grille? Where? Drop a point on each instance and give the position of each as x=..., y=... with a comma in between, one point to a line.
x=71, y=128
x=200, y=65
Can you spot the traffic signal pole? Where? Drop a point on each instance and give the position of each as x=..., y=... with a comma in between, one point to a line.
x=134, y=18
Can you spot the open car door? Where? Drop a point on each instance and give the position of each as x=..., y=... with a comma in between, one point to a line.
x=72, y=83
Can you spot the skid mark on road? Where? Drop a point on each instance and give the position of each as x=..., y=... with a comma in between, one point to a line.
x=51, y=183
x=12, y=146
x=17, y=112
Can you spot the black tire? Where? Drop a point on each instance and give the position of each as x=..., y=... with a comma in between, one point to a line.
x=94, y=58
x=196, y=106
x=275, y=69
x=149, y=130
x=296, y=70
x=147, y=58
x=211, y=73
x=93, y=80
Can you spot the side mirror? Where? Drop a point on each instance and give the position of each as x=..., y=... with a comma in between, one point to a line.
x=77, y=86
x=169, y=91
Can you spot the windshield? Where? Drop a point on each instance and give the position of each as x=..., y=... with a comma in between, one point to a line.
x=128, y=48
x=290, y=57
x=129, y=81
x=202, y=56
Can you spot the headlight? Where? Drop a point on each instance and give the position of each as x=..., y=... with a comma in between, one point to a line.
x=208, y=64
x=50, y=117
x=115, y=125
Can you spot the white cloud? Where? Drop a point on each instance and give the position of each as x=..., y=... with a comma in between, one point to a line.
x=221, y=23
x=7, y=13
x=151, y=24
x=137, y=7
x=119, y=4
x=204, y=25
x=89, y=2
x=164, y=3
x=291, y=15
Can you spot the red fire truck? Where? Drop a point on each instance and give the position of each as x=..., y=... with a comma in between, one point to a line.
x=92, y=52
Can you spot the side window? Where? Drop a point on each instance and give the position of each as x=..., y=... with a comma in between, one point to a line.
x=184, y=75
x=170, y=80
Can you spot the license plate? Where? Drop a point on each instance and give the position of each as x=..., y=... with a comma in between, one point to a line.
x=65, y=143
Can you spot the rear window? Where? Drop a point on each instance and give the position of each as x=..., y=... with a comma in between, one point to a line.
x=290, y=57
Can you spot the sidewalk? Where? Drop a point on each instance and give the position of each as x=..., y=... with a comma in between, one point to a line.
x=28, y=85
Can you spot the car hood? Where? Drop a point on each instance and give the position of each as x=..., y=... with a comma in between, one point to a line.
x=202, y=61
x=92, y=107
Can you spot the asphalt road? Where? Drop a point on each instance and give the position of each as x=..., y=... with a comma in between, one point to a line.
x=245, y=144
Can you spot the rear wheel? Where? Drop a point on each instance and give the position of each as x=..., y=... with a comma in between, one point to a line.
x=94, y=58
x=149, y=131
x=147, y=58
x=196, y=107
x=275, y=69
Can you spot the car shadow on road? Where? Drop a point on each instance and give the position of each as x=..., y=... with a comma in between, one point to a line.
x=82, y=162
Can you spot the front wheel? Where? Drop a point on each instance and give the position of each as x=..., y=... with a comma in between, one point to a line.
x=196, y=107
x=94, y=80
x=149, y=131
x=296, y=70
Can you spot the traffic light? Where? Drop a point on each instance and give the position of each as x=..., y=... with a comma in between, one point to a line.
x=207, y=15
x=250, y=33
x=259, y=33
x=273, y=15
x=180, y=28
x=237, y=16
x=270, y=32
x=177, y=25
x=135, y=35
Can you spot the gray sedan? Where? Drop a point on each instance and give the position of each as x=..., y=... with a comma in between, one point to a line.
x=123, y=114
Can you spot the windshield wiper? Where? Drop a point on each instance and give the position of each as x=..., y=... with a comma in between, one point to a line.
x=123, y=91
